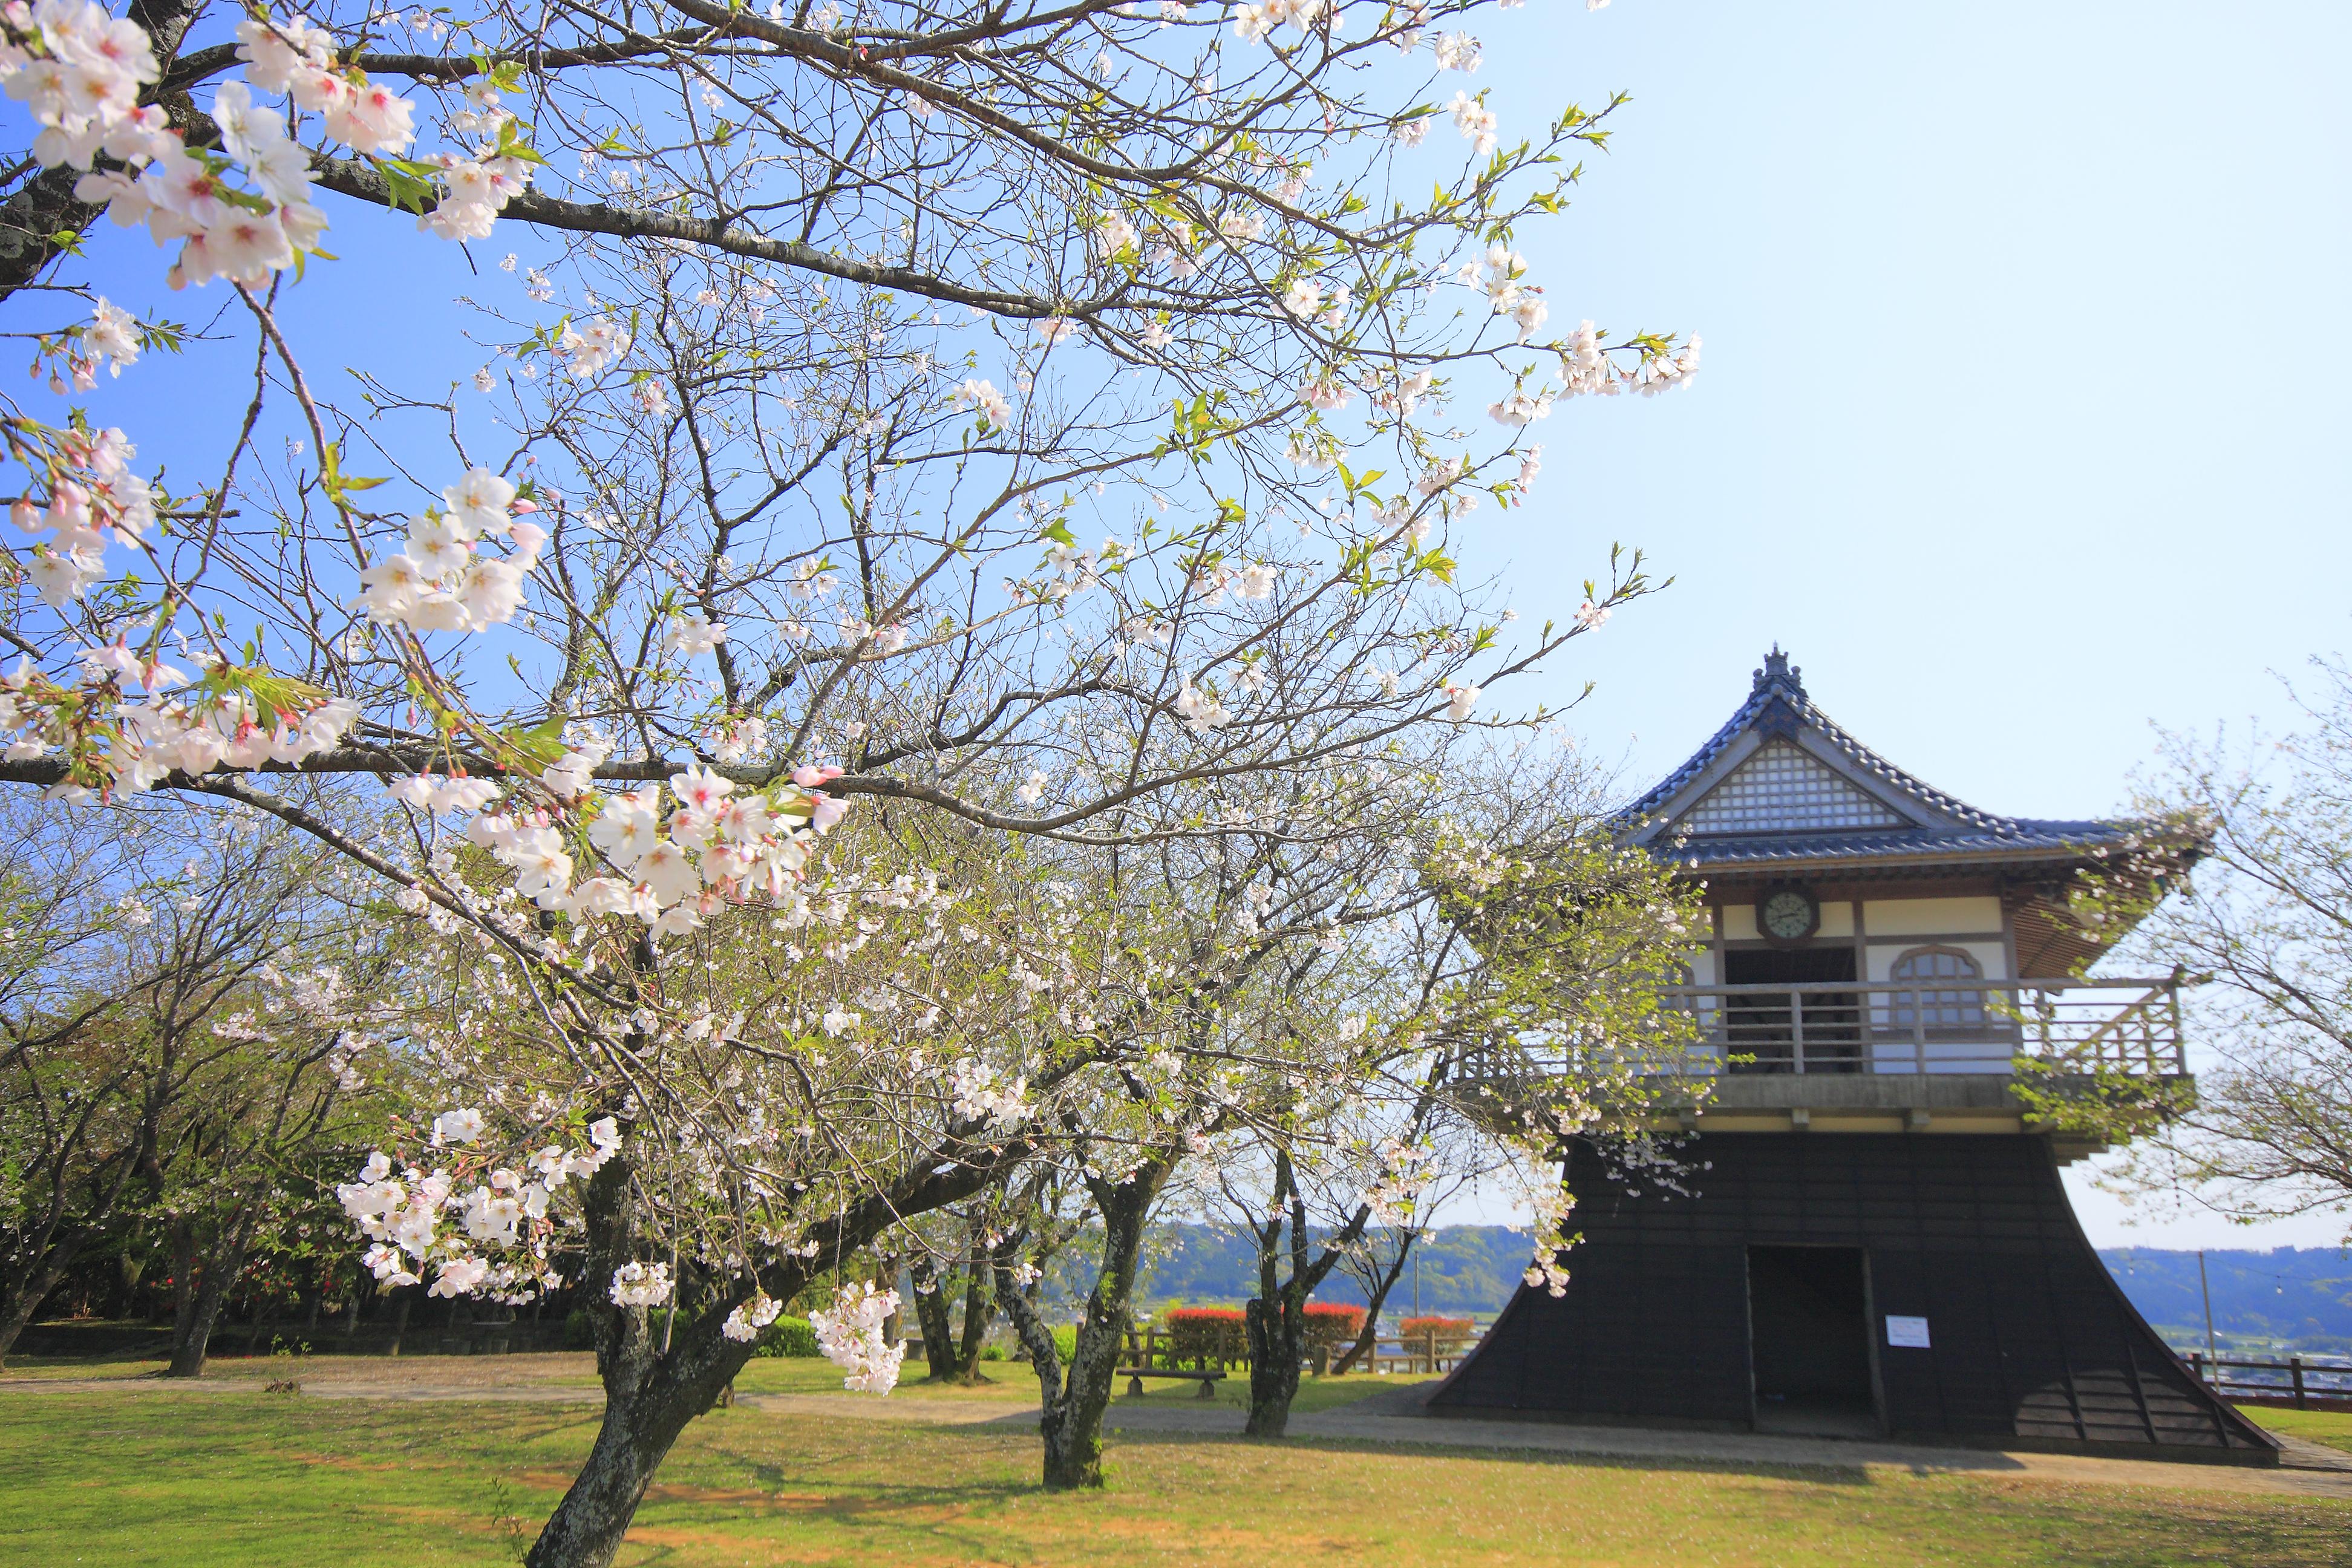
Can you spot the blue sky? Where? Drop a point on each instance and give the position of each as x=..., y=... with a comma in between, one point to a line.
x=2021, y=420
x=2023, y=416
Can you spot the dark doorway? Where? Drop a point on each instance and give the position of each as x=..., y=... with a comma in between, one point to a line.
x=1763, y=965
x=1793, y=1031
x=1809, y=1340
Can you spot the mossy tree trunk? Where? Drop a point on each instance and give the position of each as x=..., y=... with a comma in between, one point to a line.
x=1276, y=1318
x=657, y=1380
x=1072, y=1401
x=979, y=1312
x=931, y=1315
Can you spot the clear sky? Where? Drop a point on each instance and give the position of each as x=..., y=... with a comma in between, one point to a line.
x=2022, y=420
x=2022, y=417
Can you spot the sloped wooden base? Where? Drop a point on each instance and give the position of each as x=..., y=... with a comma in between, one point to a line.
x=2030, y=1342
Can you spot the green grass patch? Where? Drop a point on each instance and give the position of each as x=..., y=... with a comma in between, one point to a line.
x=2333, y=1427
x=130, y=1476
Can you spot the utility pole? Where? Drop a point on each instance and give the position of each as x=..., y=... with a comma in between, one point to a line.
x=2212, y=1356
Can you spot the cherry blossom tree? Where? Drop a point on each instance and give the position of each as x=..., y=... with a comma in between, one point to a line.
x=843, y=337
x=2236, y=881
x=169, y=973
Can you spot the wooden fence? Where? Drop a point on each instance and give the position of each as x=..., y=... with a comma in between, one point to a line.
x=2293, y=1383
x=1150, y=1346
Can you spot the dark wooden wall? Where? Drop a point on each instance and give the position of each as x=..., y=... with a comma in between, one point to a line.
x=2033, y=1343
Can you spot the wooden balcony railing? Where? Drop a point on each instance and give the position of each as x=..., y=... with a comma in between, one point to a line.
x=1944, y=1026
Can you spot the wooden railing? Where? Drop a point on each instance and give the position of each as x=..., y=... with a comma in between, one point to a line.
x=1944, y=1026
x=1149, y=1348
x=2294, y=1382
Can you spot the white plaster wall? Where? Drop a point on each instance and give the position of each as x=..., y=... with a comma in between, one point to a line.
x=1740, y=921
x=1931, y=917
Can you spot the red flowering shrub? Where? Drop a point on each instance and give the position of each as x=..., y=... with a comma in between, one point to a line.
x=1194, y=1334
x=1451, y=1333
x=1206, y=1333
x=1330, y=1324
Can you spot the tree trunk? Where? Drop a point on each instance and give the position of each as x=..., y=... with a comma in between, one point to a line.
x=24, y=1297
x=1072, y=1403
x=1277, y=1338
x=183, y=1272
x=191, y=1337
x=1275, y=1319
x=932, y=1314
x=651, y=1391
x=192, y=1329
x=887, y=1269
x=1369, y=1341
x=649, y=1396
x=400, y=1322
x=978, y=1313
x=192, y=1332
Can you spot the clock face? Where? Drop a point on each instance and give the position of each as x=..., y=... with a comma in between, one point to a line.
x=1788, y=915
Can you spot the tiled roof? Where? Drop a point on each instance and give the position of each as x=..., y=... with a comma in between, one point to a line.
x=1777, y=705
x=2021, y=836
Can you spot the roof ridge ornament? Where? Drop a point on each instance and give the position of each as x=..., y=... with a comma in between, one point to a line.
x=1777, y=670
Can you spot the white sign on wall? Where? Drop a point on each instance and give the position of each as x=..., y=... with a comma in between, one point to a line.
x=1907, y=1333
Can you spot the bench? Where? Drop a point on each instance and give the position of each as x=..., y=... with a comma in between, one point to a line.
x=1135, y=1374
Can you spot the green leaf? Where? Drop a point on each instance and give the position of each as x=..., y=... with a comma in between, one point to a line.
x=542, y=742
x=409, y=182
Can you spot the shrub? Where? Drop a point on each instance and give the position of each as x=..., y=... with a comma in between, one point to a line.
x=1330, y=1324
x=1066, y=1343
x=579, y=1330
x=786, y=1336
x=1206, y=1333
x=1451, y=1333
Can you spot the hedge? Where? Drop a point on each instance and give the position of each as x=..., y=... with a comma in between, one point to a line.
x=786, y=1336
x=1330, y=1324
x=1451, y=1333
x=1206, y=1333
x=1221, y=1333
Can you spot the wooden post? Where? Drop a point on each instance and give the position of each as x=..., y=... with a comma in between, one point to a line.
x=2294, y=1369
x=1797, y=1029
x=1919, y=1032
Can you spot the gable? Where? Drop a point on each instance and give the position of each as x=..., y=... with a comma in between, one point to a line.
x=1785, y=789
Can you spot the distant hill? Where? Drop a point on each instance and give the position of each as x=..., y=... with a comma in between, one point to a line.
x=2292, y=1299
x=1463, y=1269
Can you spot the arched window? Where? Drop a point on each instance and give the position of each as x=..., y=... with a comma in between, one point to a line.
x=1937, y=1009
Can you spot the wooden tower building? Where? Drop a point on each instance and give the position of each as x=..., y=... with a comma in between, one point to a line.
x=1874, y=1239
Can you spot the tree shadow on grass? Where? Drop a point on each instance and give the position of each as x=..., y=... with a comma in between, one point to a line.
x=1854, y=1474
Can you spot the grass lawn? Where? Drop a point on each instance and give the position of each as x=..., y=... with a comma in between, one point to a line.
x=2333, y=1427
x=122, y=1477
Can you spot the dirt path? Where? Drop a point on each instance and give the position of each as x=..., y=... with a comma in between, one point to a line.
x=2310, y=1468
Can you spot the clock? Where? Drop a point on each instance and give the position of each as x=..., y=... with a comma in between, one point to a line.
x=1788, y=915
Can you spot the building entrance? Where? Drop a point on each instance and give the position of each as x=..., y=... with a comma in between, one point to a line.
x=1809, y=1340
